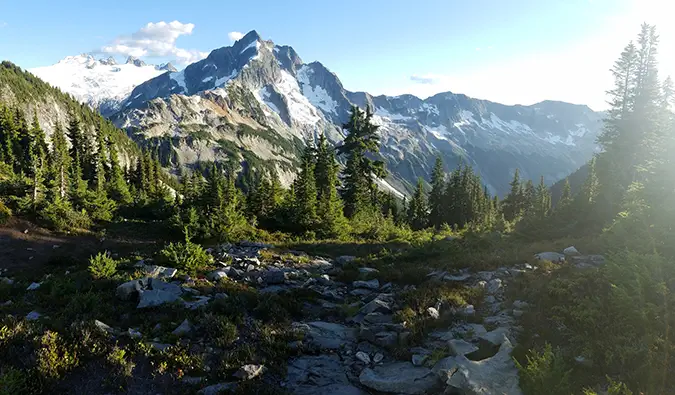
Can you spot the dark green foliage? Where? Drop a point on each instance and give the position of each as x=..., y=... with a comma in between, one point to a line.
x=362, y=142
x=102, y=265
x=545, y=372
x=187, y=256
x=436, y=196
x=418, y=210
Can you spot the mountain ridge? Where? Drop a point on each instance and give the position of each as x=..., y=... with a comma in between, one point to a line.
x=268, y=87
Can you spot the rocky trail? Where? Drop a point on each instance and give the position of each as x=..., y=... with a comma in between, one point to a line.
x=352, y=336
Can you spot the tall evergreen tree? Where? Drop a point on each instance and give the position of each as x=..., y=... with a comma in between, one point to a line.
x=100, y=163
x=38, y=157
x=117, y=187
x=329, y=205
x=513, y=204
x=418, y=209
x=436, y=196
x=305, y=192
x=566, y=196
x=362, y=142
x=60, y=163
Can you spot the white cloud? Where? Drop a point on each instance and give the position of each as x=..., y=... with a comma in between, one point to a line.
x=578, y=73
x=156, y=40
x=234, y=36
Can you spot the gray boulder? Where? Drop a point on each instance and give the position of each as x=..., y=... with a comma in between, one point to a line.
x=550, y=256
x=326, y=335
x=274, y=276
x=159, y=294
x=344, y=259
x=185, y=328
x=494, y=375
x=373, y=284
x=399, y=378
x=461, y=347
x=571, y=251
x=248, y=372
x=217, y=389
x=160, y=271
x=319, y=375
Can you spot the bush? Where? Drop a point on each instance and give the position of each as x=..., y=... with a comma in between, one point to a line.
x=5, y=213
x=15, y=382
x=544, y=373
x=53, y=358
x=61, y=216
x=188, y=256
x=102, y=266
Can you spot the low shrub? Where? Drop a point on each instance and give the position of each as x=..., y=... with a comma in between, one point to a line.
x=545, y=373
x=61, y=216
x=102, y=266
x=187, y=256
x=5, y=213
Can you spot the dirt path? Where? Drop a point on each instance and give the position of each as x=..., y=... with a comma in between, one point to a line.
x=26, y=246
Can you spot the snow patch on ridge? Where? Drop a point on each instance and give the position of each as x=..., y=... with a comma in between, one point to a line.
x=317, y=95
x=299, y=107
x=389, y=116
x=223, y=80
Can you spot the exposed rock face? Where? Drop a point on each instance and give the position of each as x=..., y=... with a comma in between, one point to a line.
x=400, y=378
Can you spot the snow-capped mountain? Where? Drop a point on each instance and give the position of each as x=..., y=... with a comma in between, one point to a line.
x=258, y=101
x=100, y=83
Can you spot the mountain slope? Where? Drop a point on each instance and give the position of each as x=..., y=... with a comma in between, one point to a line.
x=269, y=89
x=100, y=83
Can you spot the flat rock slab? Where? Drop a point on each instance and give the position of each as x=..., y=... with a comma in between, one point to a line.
x=461, y=347
x=495, y=375
x=319, y=375
x=554, y=257
x=400, y=378
x=327, y=335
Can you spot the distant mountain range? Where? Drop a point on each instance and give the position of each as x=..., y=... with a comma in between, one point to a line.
x=259, y=101
x=100, y=83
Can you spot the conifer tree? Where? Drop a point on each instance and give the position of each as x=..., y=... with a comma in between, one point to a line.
x=566, y=196
x=305, y=192
x=38, y=155
x=589, y=191
x=418, y=209
x=100, y=163
x=362, y=141
x=117, y=187
x=331, y=222
x=60, y=163
x=513, y=204
x=436, y=196
x=7, y=136
x=542, y=200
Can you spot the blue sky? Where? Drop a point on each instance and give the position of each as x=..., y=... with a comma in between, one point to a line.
x=516, y=51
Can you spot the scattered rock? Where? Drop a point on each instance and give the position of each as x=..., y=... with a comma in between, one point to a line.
x=433, y=313
x=519, y=304
x=386, y=339
x=345, y=259
x=218, y=275
x=274, y=276
x=400, y=378
x=378, y=357
x=493, y=286
x=185, y=328
x=6, y=281
x=517, y=313
x=159, y=346
x=33, y=315
x=200, y=301
x=326, y=335
x=104, y=327
x=550, y=256
x=159, y=294
x=129, y=289
x=458, y=277
x=363, y=357
x=319, y=375
x=571, y=251
x=373, y=284
x=497, y=336
x=190, y=380
x=461, y=347
x=248, y=372
x=381, y=304
x=419, y=359
x=33, y=286
x=160, y=271
x=368, y=270
x=134, y=334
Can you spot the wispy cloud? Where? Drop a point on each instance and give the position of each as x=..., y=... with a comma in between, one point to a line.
x=234, y=36
x=427, y=79
x=3, y=24
x=156, y=40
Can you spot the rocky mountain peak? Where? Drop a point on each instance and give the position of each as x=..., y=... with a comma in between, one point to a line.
x=166, y=66
x=110, y=61
x=135, y=61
